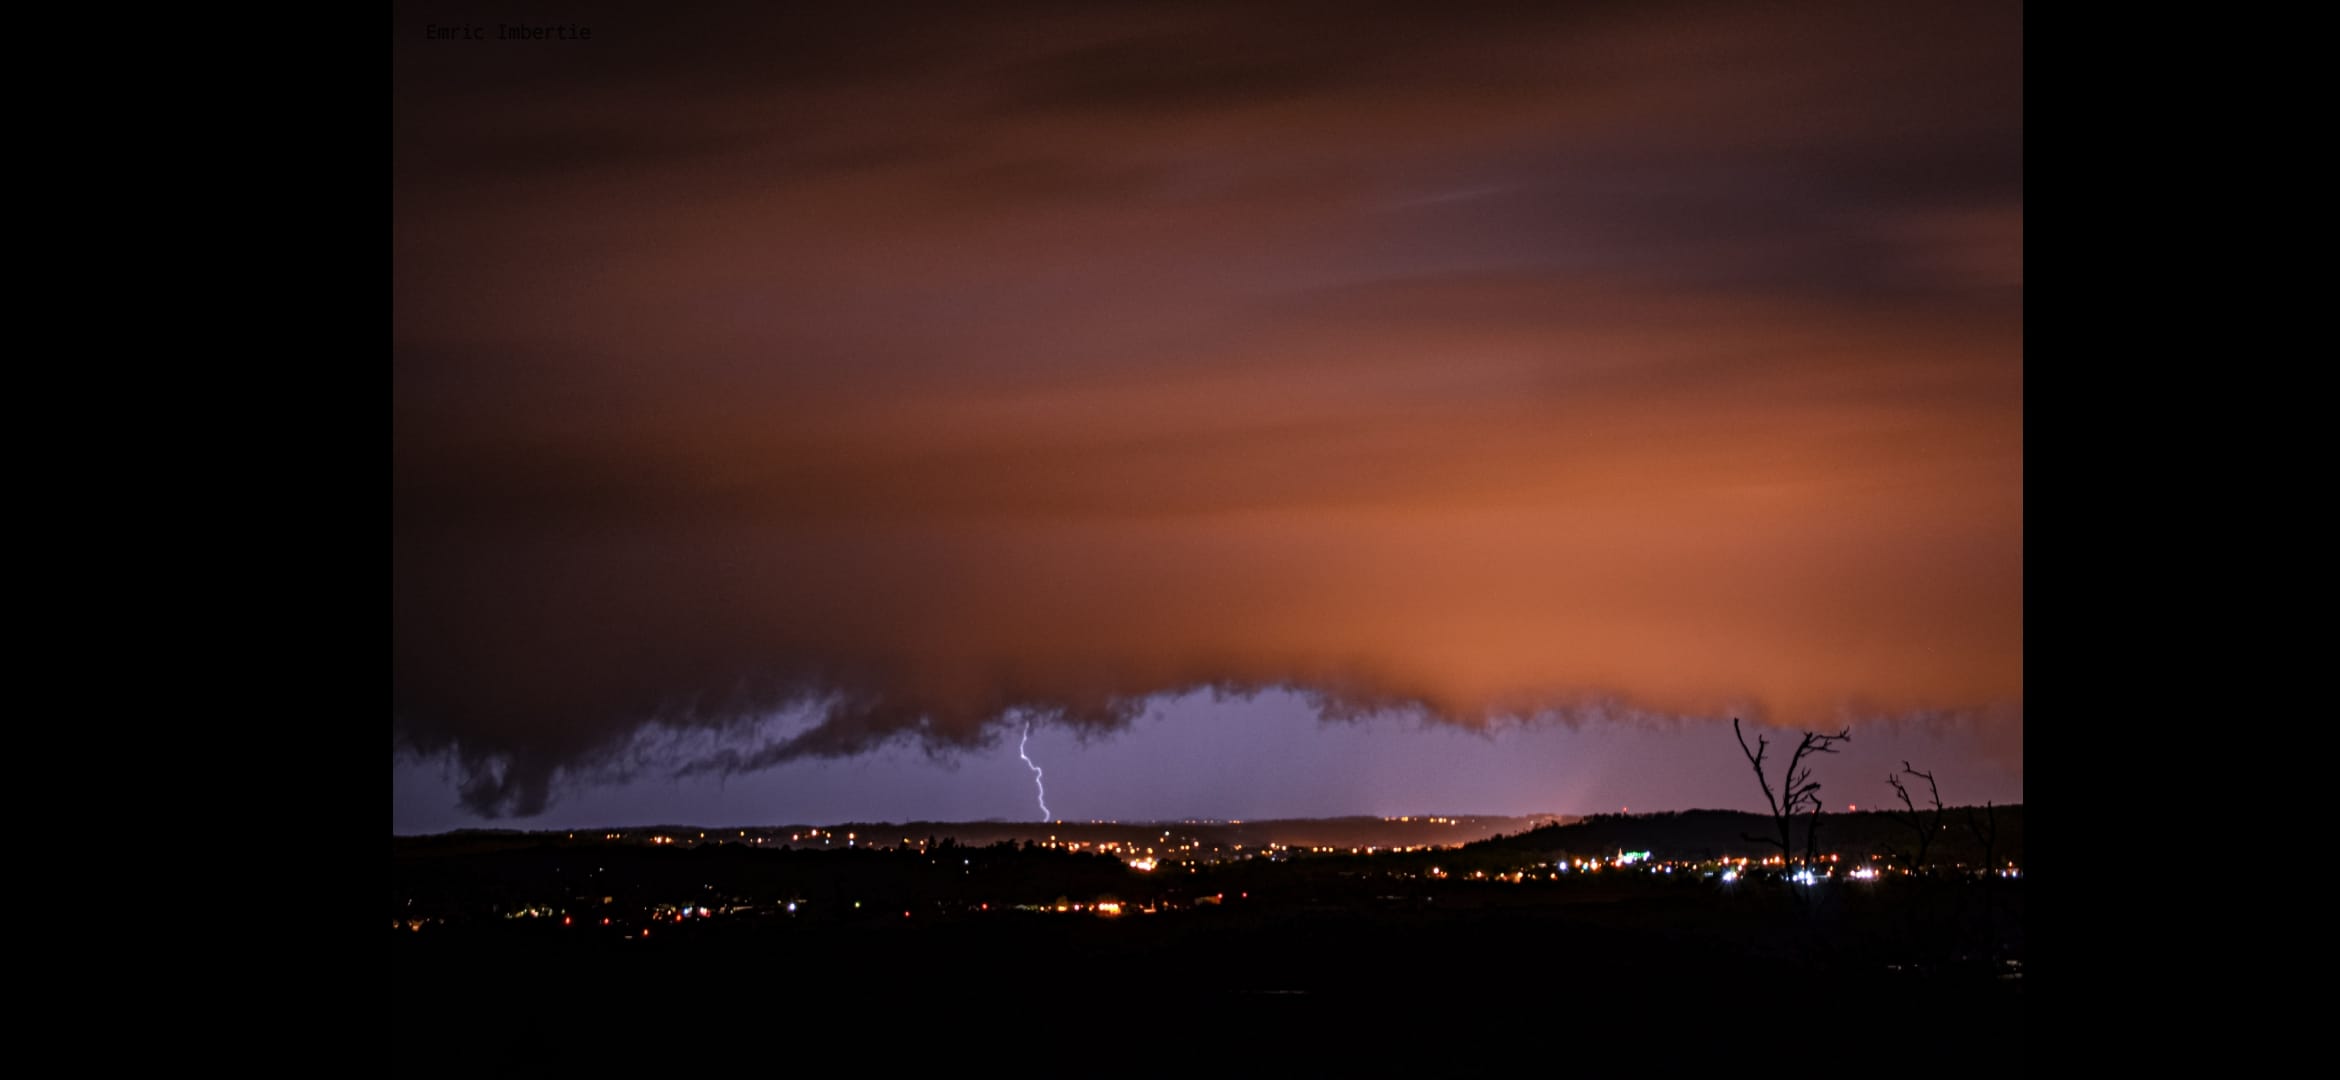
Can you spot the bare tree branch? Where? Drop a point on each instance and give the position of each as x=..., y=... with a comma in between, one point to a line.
x=1910, y=818
x=1797, y=792
x=1755, y=758
x=1986, y=833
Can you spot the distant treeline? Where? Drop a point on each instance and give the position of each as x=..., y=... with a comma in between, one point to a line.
x=1707, y=834
x=429, y=879
x=1341, y=832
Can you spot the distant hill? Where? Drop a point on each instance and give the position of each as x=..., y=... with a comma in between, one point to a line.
x=1359, y=832
x=1684, y=834
x=1704, y=834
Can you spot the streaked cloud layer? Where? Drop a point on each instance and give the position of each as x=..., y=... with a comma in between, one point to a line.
x=920, y=366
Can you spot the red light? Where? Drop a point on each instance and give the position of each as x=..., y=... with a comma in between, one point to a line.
x=605, y=922
x=564, y=920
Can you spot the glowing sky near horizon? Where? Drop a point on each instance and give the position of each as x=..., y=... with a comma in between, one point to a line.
x=1267, y=757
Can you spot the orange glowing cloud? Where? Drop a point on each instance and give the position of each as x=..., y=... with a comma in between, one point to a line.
x=1482, y=372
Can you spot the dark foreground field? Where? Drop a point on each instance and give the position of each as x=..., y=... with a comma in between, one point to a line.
x=1337, y=960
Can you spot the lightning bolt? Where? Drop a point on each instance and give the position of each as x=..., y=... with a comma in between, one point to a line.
x=1043, y=788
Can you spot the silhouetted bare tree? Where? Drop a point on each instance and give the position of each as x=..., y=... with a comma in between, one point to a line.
x=1910, y=817
x=1798, y=790
x=1986, y=834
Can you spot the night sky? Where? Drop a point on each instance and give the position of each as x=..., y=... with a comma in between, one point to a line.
x=1288, y=409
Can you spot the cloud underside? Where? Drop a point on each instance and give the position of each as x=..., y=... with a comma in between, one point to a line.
x=911, y=375
x=541, y=653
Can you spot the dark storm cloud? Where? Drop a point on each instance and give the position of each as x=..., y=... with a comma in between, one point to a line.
x=908, y=370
